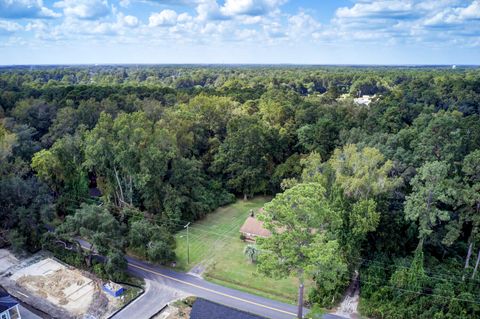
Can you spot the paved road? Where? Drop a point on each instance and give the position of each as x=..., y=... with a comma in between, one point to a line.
x=196, y=286
x=156, y=296
x=193, y=285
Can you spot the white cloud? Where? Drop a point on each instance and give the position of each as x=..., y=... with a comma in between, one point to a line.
x=209, y=10
x=250, y=7
x=250, y=19
x=18, y=9
x=163, y=18
x=84, y=9
x=382, y=22
x=301, y=25
x=455, y=16
x=274, y=30
x=184, y=17
x=124, y=3
x=390, y=9
x=414, y=21
x=245, y=34
x=127, y=20
x=8, y=27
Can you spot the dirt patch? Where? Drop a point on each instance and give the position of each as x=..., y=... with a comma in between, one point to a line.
x=62, y=287
x=57, y=289
x=349, y=306
x=177, y=310
x=66, y=288
x=198, y=270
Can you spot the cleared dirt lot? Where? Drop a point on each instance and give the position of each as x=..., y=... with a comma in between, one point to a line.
x=55, y=288
x=66, y=288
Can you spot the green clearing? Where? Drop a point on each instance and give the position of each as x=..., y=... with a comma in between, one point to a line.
x=215, y=244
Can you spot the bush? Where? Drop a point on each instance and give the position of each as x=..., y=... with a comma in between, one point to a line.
x=99, y=271
x=17, y=240
x=392, y=292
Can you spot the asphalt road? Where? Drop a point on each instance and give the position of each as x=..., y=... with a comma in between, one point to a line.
x=230, y=297
x=155, y=297
x=196, y=286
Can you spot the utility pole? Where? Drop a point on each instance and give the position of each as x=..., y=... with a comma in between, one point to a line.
x=188, y=244
x=300, y=301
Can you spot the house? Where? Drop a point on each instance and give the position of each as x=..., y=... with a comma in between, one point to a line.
x=253, y=228
x=8, y=307
x=205, y=309
x=364, y=100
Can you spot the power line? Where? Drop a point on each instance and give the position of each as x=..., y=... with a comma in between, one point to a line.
x=420, y=293
x=396, y=266
x=222, y=235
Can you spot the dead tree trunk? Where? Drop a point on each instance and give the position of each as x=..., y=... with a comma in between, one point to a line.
x=476, y=265
x=469, y=254
x=122, y=197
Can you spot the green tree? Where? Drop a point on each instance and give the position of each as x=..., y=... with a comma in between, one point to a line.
x=432, y=193
x=251, y=252
x=470, y=202
x=129, y=155
x=61, y=168
x=95, y=225
x=115, y=265
x=151, y=241
x=7, y=142
x=245, y=156
x=302, y=224
x=355, y=180
x=441, y=140
x=362, y=174
x=321, y=137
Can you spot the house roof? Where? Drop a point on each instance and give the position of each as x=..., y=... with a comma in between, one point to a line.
x=205, y=309
x=255, y=227
x=6, y=301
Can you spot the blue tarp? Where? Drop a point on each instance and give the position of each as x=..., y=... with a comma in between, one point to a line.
x=6, y=301
x=112, y=291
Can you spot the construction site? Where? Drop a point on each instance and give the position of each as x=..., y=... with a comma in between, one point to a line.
x=56, y=288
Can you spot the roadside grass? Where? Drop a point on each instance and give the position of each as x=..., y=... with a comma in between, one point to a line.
x=216, y=245
x=209, y=236
x=131, y=293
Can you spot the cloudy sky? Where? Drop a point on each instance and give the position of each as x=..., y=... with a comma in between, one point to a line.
x=240, y=31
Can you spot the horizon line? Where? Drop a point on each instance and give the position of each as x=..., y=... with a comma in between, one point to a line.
x=240, y=64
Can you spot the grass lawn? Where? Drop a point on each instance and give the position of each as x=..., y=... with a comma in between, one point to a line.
x=215, y=244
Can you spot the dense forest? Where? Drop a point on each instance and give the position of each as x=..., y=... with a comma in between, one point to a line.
x=125, y=156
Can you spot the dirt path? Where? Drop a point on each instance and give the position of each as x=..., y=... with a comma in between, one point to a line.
x=198, y=270
x=349, y=306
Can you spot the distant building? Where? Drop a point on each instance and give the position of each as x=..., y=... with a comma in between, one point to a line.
x=204, y=309
x=364, y=100
x=8, y=307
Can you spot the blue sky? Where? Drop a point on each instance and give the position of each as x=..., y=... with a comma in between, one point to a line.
x=240, y=31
